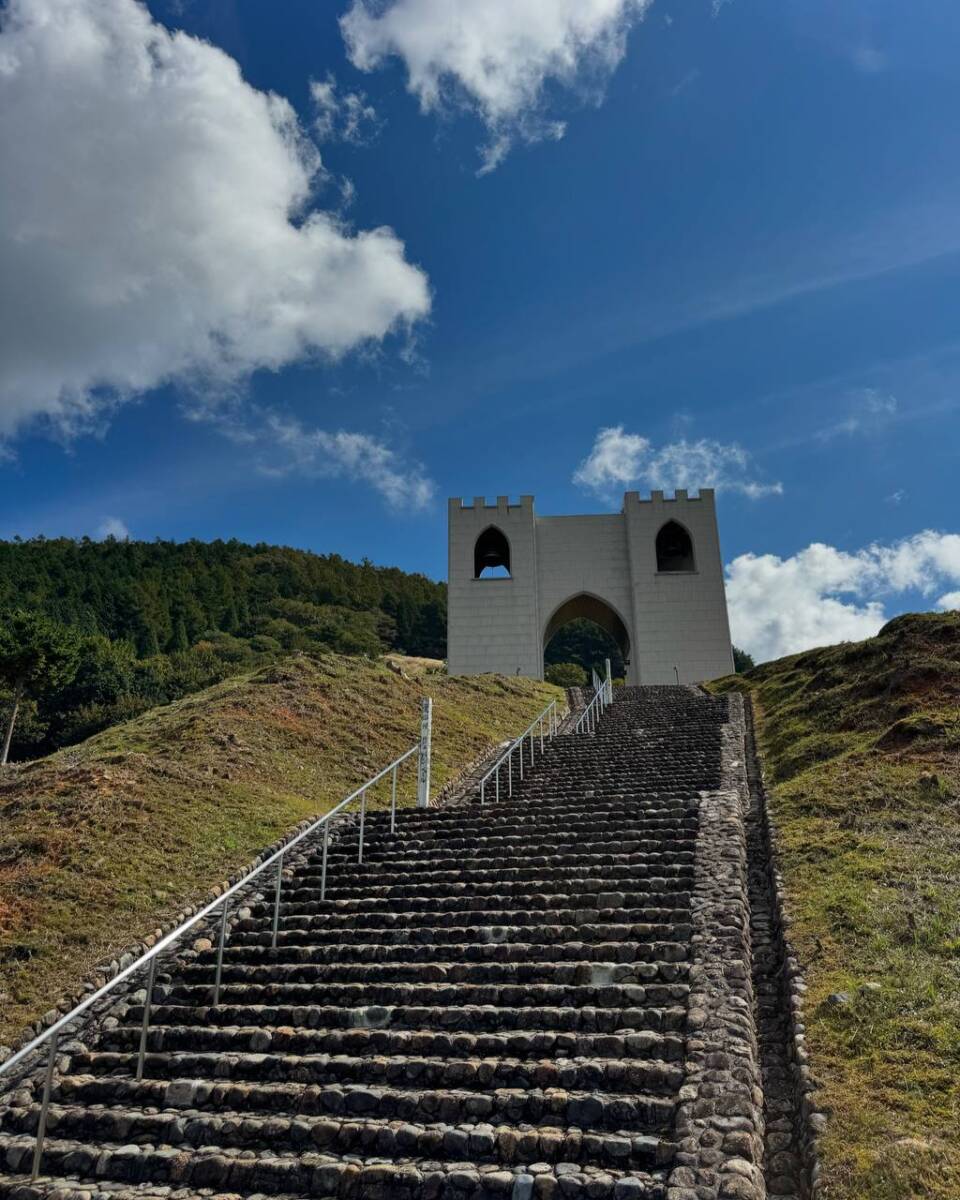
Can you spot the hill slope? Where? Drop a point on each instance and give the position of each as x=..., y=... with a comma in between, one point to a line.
x=101, y=841
x=861, y=747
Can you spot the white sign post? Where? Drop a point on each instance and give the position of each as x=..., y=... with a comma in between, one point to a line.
x=423, y=772
x=609, y=683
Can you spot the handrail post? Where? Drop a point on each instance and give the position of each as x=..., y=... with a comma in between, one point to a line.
x=510, y=772
x=423, y=774
x=531, y=749
x=609, y=683
x=521, y=757
x=276, y=903
x=323, y=868
x=144, y=1028
x=496, y=787
x=482, y=786
x=363, y=815
x=44, y=1106
x=220, y=945
x=541, y=737
x=393, y=800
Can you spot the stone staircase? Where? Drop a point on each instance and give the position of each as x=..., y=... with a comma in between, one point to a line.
x=495, y=1004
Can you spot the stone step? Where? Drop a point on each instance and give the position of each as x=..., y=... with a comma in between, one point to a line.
x=449, y=864
x=626, y=800
x=246, y=951
x=507, y=995
x=531, y=840
x=593, y=936
x=324, y=1176
x=557, y=909
x=110, y=1109
x=669, y=910
x=620, y=878
x=203, y=1049
x=515, y=869
x=485, y=973
x=669, y=1015
x=654, y=890
x=647, y=1073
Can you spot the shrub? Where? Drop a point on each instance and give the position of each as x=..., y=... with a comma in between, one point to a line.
x=566, y=675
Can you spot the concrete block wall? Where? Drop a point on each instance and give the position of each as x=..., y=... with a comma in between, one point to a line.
x=492, y=624
x=680, y=617
x=673, y=619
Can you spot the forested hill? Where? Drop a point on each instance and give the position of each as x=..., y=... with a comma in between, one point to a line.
x=154, y=621
x=165, y=596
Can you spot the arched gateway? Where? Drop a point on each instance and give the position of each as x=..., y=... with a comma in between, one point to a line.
x=650, y=575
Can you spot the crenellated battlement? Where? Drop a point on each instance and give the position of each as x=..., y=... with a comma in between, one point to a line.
x=501, y=502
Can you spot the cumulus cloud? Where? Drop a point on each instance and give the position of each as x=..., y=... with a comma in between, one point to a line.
x=622, y=460
x=292, y=447
x=112, y=527
x=157, y=221
x=341, y=116
x=823, y=595
x=494, y=58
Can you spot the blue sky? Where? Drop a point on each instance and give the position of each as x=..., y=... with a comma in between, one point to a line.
x=729, y=235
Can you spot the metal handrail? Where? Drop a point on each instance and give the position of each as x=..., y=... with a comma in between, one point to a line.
x=602, y=697
x=550, y=716
x=149, y=957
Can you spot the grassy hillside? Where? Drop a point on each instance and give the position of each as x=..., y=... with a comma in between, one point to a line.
x=101, y=841
x=861, y=744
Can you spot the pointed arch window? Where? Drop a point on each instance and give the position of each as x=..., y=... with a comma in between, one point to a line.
x=491, y=555
x=674, y=548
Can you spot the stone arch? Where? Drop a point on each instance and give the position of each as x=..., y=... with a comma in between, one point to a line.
x=491, y=550
x=588, y=607
x=675, y=548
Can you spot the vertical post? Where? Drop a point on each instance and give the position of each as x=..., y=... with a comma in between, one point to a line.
x=497, y=784
x=541, y=737
x=520, y=748
x=323, y=868
x=44, y=1106
x=531, y=749
x=609, y=683
x=144, y=1028
x=483, y=783
x=510, y=771
x=363, y=817
x=423, y=775
x=677, y=673
x=276, y=903
x=393, y=801
x=220, y=944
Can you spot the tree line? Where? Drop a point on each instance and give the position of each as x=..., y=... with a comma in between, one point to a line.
x=94, y=632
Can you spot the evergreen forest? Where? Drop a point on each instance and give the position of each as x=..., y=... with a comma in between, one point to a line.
x=156, y=620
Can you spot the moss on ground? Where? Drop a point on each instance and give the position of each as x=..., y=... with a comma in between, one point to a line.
x=861, y=747
x=102, y=841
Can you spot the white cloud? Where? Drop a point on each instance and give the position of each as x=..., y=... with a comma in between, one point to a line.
x=949, y=602
x=621, y=460
x=870, y=412
x=344, y=116
x=112, y=527
x=496, y=57
x=823, y=595
x=358, y=456
x=156, y=221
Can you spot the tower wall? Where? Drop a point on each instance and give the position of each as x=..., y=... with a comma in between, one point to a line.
x=676, y=621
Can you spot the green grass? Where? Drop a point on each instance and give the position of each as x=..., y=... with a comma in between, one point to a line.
x=102, y=841
x=861, y=747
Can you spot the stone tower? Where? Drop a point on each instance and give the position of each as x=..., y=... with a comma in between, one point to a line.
x=651, y=575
